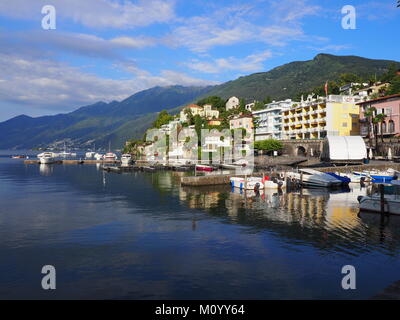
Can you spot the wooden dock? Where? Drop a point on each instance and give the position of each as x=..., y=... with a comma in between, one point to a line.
x=213, y=180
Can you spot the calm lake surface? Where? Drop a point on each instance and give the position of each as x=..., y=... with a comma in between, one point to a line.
x=142, y=236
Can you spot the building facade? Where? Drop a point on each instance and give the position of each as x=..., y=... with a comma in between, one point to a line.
x=316, y=118
x=205, y=112
x=232, y=103
x=390, y=107
x=269, y=120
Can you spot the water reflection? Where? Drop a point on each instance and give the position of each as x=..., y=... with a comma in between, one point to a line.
x=142, y=235
x=46, y=169
x=317, y=216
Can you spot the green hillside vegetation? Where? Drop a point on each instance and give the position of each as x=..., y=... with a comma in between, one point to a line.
x=288, y=80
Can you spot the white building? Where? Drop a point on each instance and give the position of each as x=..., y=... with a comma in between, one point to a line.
x=232, y=103
x=205, y=112
x=167, y=128
x=270, y=120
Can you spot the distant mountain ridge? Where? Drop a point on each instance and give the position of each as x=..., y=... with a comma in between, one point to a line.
x=98, y=123
x=290, y=79
x=118, y=121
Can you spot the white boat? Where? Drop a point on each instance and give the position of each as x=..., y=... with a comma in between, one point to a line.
x=89, y=155
x=373, y=203
x=110, y=156
x=354, y=178
x=314, y=178
x=99, y=156
x=254, y=183
x=379, y=176
x=250, y=183
x=126, y=159
x=46, y=158
x=65, y=154
x=274, y=183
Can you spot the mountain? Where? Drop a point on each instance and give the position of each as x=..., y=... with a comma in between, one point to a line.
x=119, y=121
x=98, y=123
x=290, y=79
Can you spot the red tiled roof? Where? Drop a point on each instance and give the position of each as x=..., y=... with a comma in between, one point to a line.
x=381, y=98
x=193, y=106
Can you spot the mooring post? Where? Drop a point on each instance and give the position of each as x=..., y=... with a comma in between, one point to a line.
x=301, y=177
x=382, y=193
x=263, y=180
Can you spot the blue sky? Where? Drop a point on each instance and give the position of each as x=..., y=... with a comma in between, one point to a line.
x=109, y=49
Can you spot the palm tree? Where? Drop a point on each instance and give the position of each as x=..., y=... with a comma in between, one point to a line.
x=189, y=115
x=369, y=115
x=380, y=118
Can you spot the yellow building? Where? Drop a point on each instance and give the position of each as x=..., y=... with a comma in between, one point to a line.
x=316, y=118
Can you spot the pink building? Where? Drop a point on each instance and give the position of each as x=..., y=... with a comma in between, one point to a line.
x=390, y=106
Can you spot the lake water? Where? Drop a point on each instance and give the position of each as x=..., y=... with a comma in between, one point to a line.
x=142, y=236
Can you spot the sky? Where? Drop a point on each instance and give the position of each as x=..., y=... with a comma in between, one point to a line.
x=104, y=50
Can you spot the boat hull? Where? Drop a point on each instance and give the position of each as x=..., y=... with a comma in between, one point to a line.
x=47, y=160
x=204, y=168
x=373, y=204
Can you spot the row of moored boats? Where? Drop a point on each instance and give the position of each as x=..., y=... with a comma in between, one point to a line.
x=52, y=157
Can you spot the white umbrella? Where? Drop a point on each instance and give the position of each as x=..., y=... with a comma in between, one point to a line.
x=390, y=154
x=370, y=154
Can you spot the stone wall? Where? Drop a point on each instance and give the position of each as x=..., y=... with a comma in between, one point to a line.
x=302, y=148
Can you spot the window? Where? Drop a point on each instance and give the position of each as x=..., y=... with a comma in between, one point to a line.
x=344, y=124
x=383, y=127
x=391, y=126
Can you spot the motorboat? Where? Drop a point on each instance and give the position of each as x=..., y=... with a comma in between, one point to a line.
x=46, y=158
x=373, y=203
x=89, y=155
x=273, y=183
x=379, y=176
x=126, y=159
x=110, y=156
x=314, y=178
x=250, y=183
x=354, y=178
x=99, y=156
x=345, y=180
x=257, y=183
x=19, y=157
x=200, y=167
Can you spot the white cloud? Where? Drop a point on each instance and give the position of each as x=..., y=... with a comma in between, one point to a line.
x=77, y=43
x=332, y=48
x=53, y=85
x=250, y=63
x=272, y=24
x=95, y=13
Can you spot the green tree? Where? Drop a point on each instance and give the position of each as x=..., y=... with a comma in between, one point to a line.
x=380, y=118
x=189, y=115
x=163, y=118
x=269, y=145
x=217, y=102
x=267, y=100
x=394, y=87
x=259, y=105
x=369, y=116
